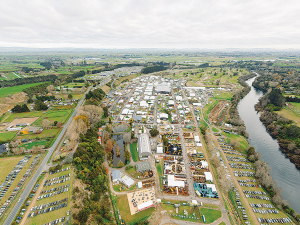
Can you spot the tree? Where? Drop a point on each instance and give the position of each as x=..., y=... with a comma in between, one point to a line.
x=39, y=105
x=20, y=108
x=154, y=132
x=105, y=112
x=120, y=164
x=276, y=98
x=127, y=137
x=109, y=146
x=130, y=122
x=117, y=150
x=251, y=151
x=45, y=123
x=68, y=159
x=77, y=160
x=127, y=156
x=70, y=96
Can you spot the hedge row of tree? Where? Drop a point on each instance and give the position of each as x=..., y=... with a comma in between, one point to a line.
x=20, y=108
x=27, y=80
x=88, y=160
x=155, y=68
x=95, y=97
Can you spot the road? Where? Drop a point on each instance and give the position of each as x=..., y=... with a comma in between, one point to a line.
x=34, y=178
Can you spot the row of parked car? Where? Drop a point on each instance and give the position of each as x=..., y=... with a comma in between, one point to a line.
x=54, y=191
x=57, y=180
x=62, y=220
x=58, y=171
x=271, y=220
x=45, y=208
x=11, y=178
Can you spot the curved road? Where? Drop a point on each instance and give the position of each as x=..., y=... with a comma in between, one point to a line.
x=34, y=178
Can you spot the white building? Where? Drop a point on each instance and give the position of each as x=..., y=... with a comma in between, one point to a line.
x=144, y=148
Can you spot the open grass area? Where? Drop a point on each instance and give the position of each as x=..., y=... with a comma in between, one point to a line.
x=45, y=134
x=223, y=223
x=224, y=95
x=119, y=81
x=15, y=89
x=7, y=136
x=208, y=107
x=50, y=216
x=6, y=171
x=159, y=169
x=105, y=88
x=192, y=212
x=35, y=143
x=59, y=116
x=134, y=153
x=243, y=143
x=24, y=115
x=210, y=214
x=289, y=114
x=215, y=129
x=123, y=206
x=122, y=187
x=6, y=166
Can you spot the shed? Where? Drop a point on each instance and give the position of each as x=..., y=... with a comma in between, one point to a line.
x=208, y=176
x=144, y=146
x=159, y=149
x=115, y=175
x=142, y=166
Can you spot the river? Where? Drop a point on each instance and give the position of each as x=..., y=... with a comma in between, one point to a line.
x=284, y=173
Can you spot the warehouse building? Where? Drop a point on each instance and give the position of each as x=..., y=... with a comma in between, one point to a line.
x=163, y=88
x=144, y=148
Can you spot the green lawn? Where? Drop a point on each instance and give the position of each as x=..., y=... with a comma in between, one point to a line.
x=191, y=210
x=45, y=134
x=160, y=174
x=59, y=116
x=243, y=143
x=35, y=143
x=122, y=187
x=210, y=214
x=215, y=129
x=134, y=153
x=16, y=89
x=24, y=115
x=123, y=206
x=223, y=223
x=7, y=136
x=296, y=104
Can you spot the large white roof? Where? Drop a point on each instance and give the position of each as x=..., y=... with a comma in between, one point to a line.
x=144, y=205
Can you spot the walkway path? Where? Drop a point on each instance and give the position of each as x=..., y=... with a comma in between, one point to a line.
x=32, y=203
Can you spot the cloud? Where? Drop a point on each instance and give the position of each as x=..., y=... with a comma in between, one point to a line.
x=150, y=24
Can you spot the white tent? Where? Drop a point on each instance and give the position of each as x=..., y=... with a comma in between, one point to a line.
x=212, y=186
x=159, y=150
x=144, y=205
x=204, y=164
x=208, y=176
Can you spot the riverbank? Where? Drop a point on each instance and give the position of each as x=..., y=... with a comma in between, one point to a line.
x=283, y=171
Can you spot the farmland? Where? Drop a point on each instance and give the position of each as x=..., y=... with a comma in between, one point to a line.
x=7, y=136
x=59, y=116
x=15, y=89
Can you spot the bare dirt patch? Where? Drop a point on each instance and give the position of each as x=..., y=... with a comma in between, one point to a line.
x=23, y=120
x=214, y=115
x=8, y=103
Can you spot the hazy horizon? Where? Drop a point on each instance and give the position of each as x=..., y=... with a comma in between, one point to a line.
x=154, y=24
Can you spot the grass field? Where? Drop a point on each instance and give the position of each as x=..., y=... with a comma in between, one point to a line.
x=215, y=129
x=35, y=143
x=105, y=88
x=45, y=134
x=134, y=153
x=243, y=143
x=59, y=116
x=121, y=187
x=24, y=115
x=191, y=210
x=123, y=206
x=224, y=95
x=6, y=171
x=50, y=216
x=159, y=169
x=223, y=223
x=289, y=114
x=7, y=136
x=210, y=214
x=296, y=104
x=119, y=81
x=6, y=166
x=16, y=89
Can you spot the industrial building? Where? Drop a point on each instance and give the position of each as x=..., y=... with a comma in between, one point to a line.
x=144, y=148
x=163, y=88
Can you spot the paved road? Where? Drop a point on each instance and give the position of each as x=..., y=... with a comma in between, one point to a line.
x=34, y=178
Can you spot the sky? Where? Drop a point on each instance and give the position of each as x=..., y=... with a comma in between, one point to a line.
x=174, y=24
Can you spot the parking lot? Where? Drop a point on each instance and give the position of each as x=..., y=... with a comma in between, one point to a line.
x=15, y=179
x=53, y=202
